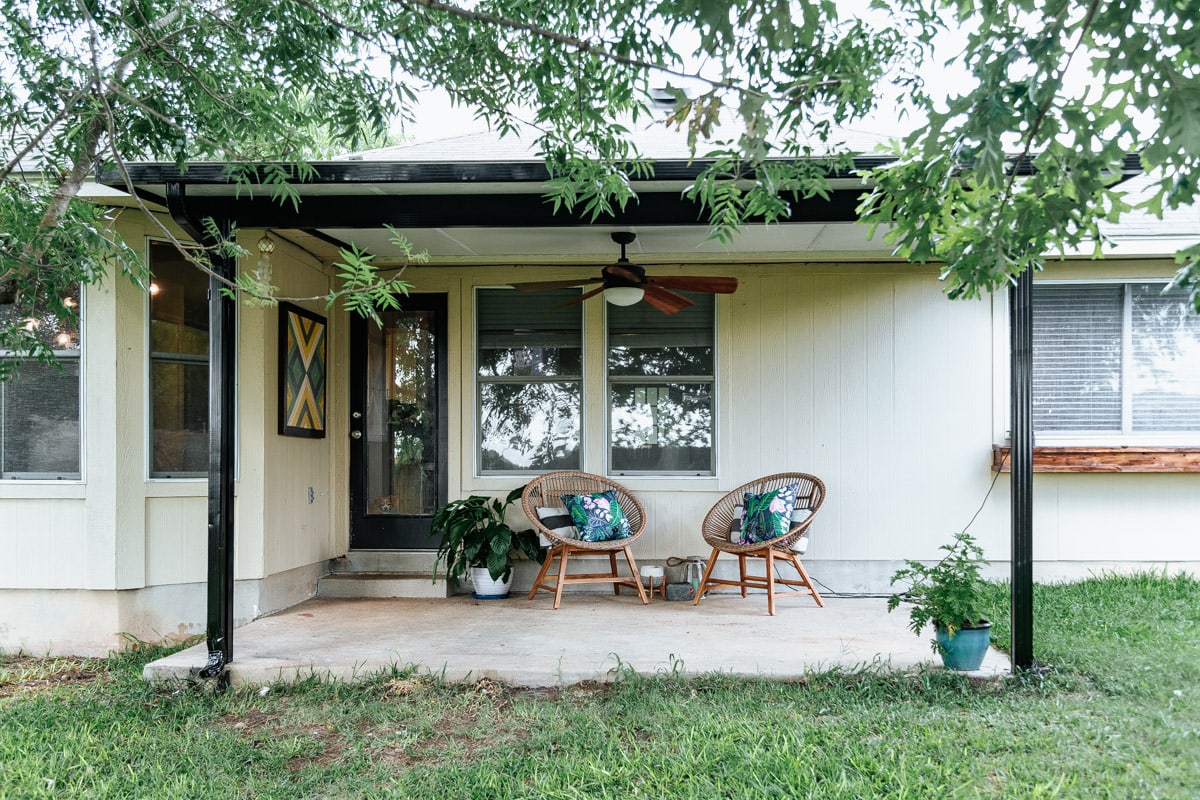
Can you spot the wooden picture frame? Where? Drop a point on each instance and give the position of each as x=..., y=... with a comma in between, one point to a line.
x=302, y=372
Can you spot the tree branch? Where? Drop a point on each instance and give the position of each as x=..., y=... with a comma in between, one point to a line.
x=582, y=45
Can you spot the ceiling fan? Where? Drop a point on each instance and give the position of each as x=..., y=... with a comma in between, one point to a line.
x=625, y=283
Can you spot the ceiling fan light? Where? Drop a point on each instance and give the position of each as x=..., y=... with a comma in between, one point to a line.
x=624, y=295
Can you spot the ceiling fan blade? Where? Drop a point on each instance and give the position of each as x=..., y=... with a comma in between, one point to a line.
x=581, y=297
x=695, y=283
x=665, y=301
x=542, y=286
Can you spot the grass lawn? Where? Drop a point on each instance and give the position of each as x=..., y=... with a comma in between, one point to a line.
x=1117, y=715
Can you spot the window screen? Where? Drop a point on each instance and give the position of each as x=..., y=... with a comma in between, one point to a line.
x=39, y=403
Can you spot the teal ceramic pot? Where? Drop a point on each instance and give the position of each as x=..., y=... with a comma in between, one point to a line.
x=966, y=650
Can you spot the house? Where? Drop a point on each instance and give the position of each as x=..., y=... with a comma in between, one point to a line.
x=832, y=357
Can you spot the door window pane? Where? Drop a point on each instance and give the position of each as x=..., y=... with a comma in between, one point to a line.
x=402, y=415
x=661, y=425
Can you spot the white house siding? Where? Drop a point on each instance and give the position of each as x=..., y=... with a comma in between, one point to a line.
x=863, y=374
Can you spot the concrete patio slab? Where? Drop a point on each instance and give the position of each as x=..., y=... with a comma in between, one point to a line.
x=529, y=643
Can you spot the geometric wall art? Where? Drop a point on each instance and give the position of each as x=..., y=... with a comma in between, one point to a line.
x=302, y=371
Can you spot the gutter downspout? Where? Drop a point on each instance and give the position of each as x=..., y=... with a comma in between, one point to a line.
x=1020, y=310
x=222, y=424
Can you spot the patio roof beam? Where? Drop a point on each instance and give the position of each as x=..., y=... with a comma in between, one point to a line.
x=484, y=211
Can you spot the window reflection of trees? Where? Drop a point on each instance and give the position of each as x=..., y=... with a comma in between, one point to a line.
x=664, y=361
x=530, y=426
x=1165, y=379
x=660, y=375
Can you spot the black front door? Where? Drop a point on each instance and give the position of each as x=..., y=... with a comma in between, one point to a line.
x=398, y=425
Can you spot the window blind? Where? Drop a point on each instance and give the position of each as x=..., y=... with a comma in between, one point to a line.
x=508, y=318
x=1077, y=358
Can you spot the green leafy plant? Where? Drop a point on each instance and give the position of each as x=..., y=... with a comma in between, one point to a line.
x=951, y=594
x=473, y=534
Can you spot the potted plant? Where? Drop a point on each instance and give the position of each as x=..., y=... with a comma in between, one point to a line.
x=949, y=594
x=476, y=541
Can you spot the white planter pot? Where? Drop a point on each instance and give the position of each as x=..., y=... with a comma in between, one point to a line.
x=484, y=588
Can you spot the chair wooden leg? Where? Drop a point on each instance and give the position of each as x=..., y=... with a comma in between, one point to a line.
x=712, y=562
x=771, y=581
x=742, y=571
x=612, y=565
x=541, y=576
x=562, y=575
x=807, y=581
x=633, y=570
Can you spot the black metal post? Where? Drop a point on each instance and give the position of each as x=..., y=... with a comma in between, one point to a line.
x=1021, y=456
x=222, y=420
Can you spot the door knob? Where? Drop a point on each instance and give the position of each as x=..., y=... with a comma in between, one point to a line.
x=355, y=434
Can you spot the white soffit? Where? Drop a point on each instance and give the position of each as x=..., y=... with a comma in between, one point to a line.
x=781, y=242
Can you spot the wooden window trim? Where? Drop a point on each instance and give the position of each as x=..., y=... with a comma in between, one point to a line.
x=1105, y=459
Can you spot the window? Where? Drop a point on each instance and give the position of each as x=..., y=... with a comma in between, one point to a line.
x=178, y=366
x=39, y=403
x=529, y=380
x=660, y=388
x=1115, y=360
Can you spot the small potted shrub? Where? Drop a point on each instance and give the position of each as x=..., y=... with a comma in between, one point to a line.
x=476, y=542
x=949, y=595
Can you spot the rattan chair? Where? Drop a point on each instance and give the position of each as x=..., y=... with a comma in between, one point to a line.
x=545, y=491
x=719, y=520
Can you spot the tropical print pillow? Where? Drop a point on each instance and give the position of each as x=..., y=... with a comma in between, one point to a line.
x=768, y=515
x=598, y=517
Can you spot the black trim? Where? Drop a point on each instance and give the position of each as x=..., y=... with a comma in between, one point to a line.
x=483, y=210
x=467, y=172
x=399, y=171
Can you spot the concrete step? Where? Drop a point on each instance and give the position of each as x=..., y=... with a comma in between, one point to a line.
x=413, y=562
x=380, y=584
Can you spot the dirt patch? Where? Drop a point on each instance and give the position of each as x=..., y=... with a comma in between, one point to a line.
x=20, y=675
x=333, y=746
x=401, y=687
x=249, y=721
